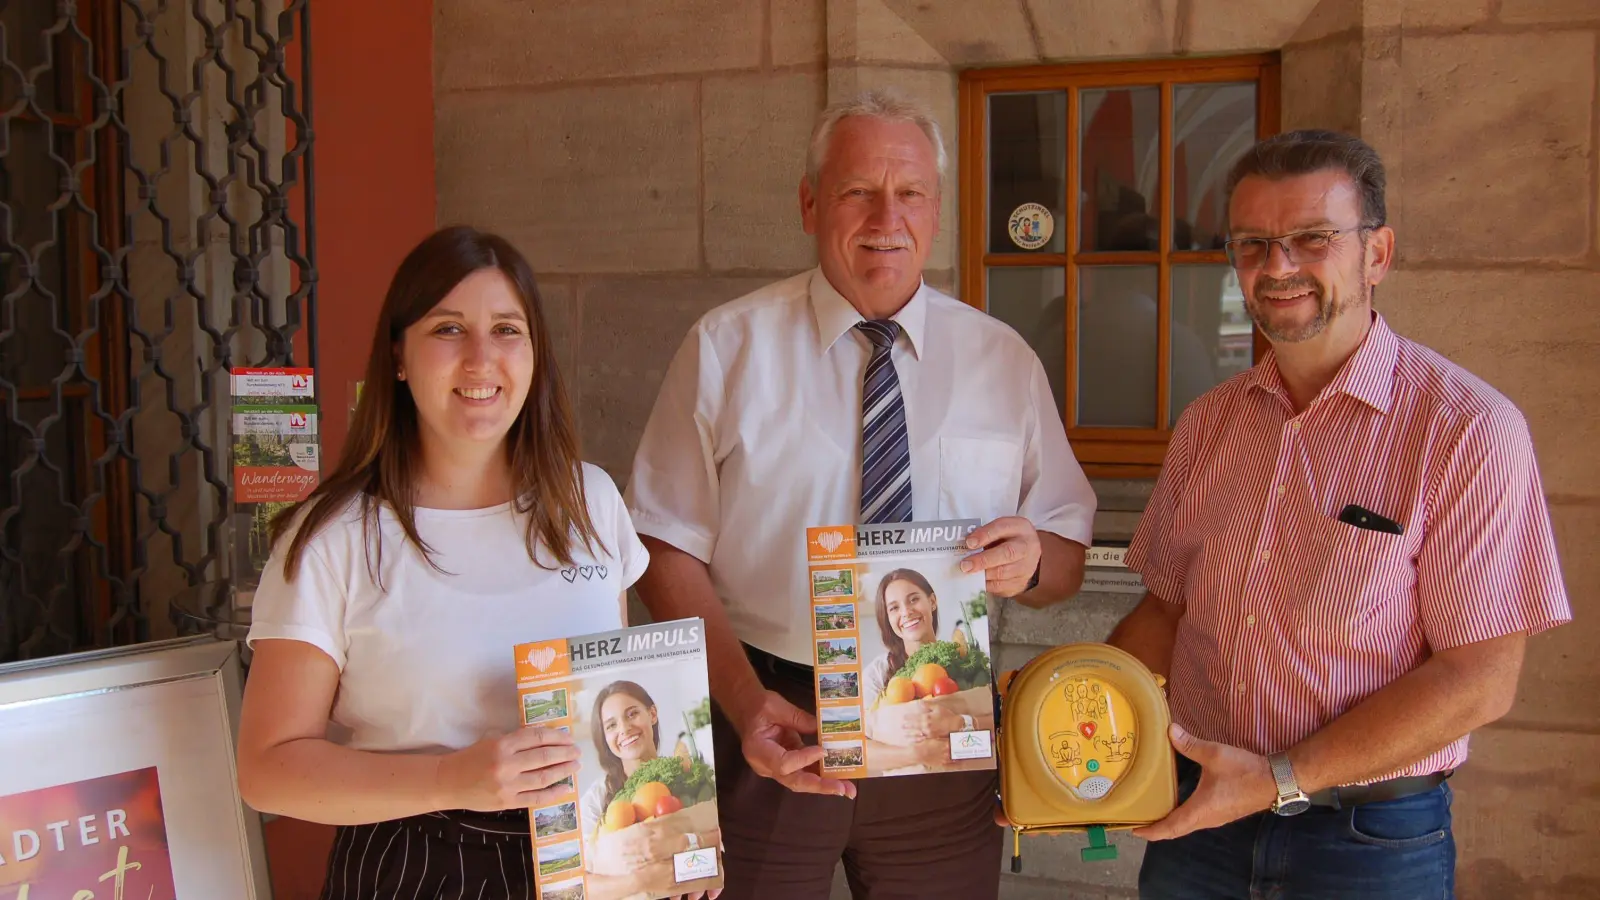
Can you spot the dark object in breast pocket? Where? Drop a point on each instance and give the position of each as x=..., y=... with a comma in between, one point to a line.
x=1365, y=518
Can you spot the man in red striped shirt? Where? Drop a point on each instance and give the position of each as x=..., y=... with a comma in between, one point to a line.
x=1345, y=554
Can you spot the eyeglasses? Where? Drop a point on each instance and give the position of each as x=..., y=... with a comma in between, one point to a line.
x=1300, y=247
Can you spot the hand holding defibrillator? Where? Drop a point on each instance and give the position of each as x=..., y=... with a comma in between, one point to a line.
x=1234, y=783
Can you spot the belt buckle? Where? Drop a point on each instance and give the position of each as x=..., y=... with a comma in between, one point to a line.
x=773, y=662
x=777, y=665
x=796, y=669
x=769, y=661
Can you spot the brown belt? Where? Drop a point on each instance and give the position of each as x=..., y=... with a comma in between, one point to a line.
x=1352, y=794
x=1392, y=789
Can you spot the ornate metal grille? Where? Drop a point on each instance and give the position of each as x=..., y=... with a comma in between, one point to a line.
x=155, y=210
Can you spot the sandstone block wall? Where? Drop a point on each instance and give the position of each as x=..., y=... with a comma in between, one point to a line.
x=646, y=156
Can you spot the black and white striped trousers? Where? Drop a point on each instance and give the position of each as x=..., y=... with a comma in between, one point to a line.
x=450, y=855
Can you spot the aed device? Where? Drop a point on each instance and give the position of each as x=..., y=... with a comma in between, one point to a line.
x=1084, y=746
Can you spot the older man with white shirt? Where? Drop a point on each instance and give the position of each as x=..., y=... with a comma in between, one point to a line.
x=852, y=392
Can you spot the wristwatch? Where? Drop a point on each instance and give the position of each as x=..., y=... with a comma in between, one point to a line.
x=1291, y=800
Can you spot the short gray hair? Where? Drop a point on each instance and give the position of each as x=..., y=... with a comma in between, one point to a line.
x=884, y=104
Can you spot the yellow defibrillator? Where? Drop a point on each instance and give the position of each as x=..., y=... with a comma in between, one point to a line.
x=1084, y=746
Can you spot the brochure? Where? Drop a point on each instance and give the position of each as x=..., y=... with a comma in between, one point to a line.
x=275, y=454
x=901, y=640
x=640, y=822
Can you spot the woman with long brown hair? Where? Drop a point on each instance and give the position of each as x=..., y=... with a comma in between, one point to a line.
x=459, y=521
x=626, y=730
x=908, y=619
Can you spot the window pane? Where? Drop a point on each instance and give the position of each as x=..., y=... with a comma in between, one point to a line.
x=34, y=348
x=25, y=25
x=1027, y=172
x=1212, y=126
x=46, y=497
x=1034, y=302
x=1120, y=168
x=1211, y=332
x=1117, y=346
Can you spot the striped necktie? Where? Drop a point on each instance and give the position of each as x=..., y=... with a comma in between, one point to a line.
x=885, y=448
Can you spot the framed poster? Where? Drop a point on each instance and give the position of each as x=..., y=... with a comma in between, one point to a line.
x=118, y=778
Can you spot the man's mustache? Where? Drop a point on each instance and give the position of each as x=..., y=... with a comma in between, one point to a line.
x=1272, y=284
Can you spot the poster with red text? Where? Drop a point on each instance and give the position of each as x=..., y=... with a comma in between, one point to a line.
x=98, y=839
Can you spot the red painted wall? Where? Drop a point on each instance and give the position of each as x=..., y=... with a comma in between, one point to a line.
x=372, y=65
x=372, y=94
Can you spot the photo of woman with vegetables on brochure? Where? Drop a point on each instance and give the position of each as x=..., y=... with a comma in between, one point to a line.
x=921, y=682
x=640, y=808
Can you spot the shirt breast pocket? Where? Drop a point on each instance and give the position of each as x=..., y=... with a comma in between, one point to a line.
x=1361, y=588
x=979, y=477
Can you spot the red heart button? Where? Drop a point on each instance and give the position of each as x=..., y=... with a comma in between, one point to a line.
x=1088, y=730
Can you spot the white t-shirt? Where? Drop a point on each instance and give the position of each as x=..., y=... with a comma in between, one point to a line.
x=426, y=663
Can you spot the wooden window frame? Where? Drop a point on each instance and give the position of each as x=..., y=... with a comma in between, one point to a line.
x=1103, y=452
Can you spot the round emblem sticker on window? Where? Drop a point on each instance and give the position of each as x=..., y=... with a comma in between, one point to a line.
x=1031, y=226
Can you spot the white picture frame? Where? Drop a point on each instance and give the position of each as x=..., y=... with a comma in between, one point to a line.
x=168, y=705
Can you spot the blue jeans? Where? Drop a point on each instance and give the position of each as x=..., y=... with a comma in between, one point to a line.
x=1401, y=849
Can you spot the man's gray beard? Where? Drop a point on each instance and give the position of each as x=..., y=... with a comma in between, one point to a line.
x=1318, y=324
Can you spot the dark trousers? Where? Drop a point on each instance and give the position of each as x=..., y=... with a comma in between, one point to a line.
x=905, y=836
x=440, y=855
x=1398, y=849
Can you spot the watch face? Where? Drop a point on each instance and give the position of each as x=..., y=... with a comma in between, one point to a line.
x=1293, y=807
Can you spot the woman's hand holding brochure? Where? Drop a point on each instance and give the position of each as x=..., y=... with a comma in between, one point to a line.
x=515, y=770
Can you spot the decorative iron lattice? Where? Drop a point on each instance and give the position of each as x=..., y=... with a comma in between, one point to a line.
x=155, y=210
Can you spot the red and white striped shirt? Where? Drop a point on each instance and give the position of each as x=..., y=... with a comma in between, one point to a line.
x=1292, y=616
